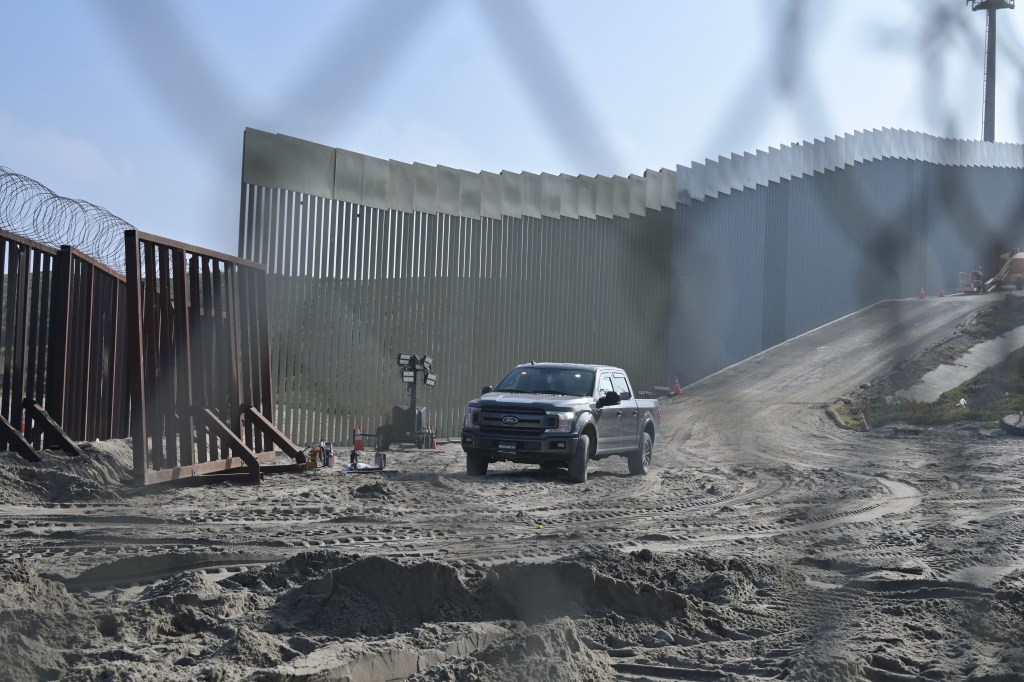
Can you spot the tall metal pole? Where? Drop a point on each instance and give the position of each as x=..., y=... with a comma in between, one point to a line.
x=989, y=134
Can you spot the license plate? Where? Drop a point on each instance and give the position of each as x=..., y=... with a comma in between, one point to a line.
x=509, y=448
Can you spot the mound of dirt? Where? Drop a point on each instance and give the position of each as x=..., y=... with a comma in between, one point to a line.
x=538, y=592
x=373, y=491
x=39, y=621
x=323, y=613
x=551, y=651
x=256, y=649
x=290, y=573
x=377, y=596
x=101, y=475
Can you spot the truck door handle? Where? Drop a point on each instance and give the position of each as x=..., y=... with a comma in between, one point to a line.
x=618, y=413
x=636, y=412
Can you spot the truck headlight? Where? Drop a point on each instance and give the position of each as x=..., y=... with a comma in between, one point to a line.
x=472, y=420
x=561, y=422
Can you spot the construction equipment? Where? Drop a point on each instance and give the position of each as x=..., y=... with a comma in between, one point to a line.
x=972, y=283
x=409, y=425
x=1009, y=270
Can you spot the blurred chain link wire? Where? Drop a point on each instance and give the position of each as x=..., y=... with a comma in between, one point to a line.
x=367, y=48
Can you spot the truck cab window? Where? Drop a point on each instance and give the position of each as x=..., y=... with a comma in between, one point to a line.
x=621, y=386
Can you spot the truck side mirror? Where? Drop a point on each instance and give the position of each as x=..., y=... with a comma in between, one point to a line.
x=486, y=389
x=610, y=398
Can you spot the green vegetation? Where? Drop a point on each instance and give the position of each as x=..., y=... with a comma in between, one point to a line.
x=847, y=418
x=996, y=392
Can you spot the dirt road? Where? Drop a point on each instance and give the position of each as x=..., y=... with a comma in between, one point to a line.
x=764, y=543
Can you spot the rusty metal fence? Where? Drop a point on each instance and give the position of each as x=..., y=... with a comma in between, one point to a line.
x=87, y=391
x=62, y=340
x=198, y=362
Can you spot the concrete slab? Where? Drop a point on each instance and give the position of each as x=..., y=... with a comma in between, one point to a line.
x=977, y=360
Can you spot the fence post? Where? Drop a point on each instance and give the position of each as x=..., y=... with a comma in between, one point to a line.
x=60, y=322
x=20, y=334
x=136, y=371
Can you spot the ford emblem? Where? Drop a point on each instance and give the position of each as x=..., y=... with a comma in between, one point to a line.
x=509, y=420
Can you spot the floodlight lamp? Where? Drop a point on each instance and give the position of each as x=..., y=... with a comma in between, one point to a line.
x=404, y=359
x=427, y=361
x=430, y=379
x=409, y=376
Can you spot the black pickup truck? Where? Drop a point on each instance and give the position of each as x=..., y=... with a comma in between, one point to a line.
x=560, y=415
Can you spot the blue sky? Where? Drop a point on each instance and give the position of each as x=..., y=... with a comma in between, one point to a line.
x=140, y=106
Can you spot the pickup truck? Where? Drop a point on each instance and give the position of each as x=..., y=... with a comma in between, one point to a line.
x=560, y=415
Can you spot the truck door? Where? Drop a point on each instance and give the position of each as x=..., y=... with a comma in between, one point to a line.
x=608, y=426
x=628, y=414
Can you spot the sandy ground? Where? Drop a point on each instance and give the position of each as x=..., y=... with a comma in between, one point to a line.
x=764, y=544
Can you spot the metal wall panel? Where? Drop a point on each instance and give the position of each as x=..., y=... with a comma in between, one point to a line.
x=448, y=191
x=349, y=177
x=828, y=245
x=287, y=162
x=729, y=257
x=401, y=186
x=511, y=194
x=551, y=195
x=466, y=292
x=425, y=189
x=587, y=206
x=470, y=199
x=490, y=195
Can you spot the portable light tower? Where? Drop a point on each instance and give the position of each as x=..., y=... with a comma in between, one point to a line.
x=412, y=368
x=990, y=7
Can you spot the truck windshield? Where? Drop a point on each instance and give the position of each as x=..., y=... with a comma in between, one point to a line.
x=550, y=380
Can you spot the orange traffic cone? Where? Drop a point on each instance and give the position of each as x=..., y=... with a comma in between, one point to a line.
x=921, y=295
x=433, y=439
x=357, y=439
x=675, y=388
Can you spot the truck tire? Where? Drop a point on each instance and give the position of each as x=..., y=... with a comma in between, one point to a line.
x=476, y=464
x=640, y=460
x=578, y=461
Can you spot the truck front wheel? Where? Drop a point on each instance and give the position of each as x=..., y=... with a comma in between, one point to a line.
x=578, y=461
x=476, y=464
x=640, y=460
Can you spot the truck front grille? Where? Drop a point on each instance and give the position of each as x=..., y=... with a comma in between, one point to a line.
x=513, y=422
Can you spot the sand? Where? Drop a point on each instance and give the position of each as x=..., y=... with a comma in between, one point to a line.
x=764, y=544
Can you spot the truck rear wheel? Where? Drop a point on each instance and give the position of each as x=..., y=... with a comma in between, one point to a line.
x=640, y=460
x=476, y=464
x=578, y=461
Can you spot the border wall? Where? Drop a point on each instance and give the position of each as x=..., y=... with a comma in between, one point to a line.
x=369, y=258
x=773, y=244
x=670, y=274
